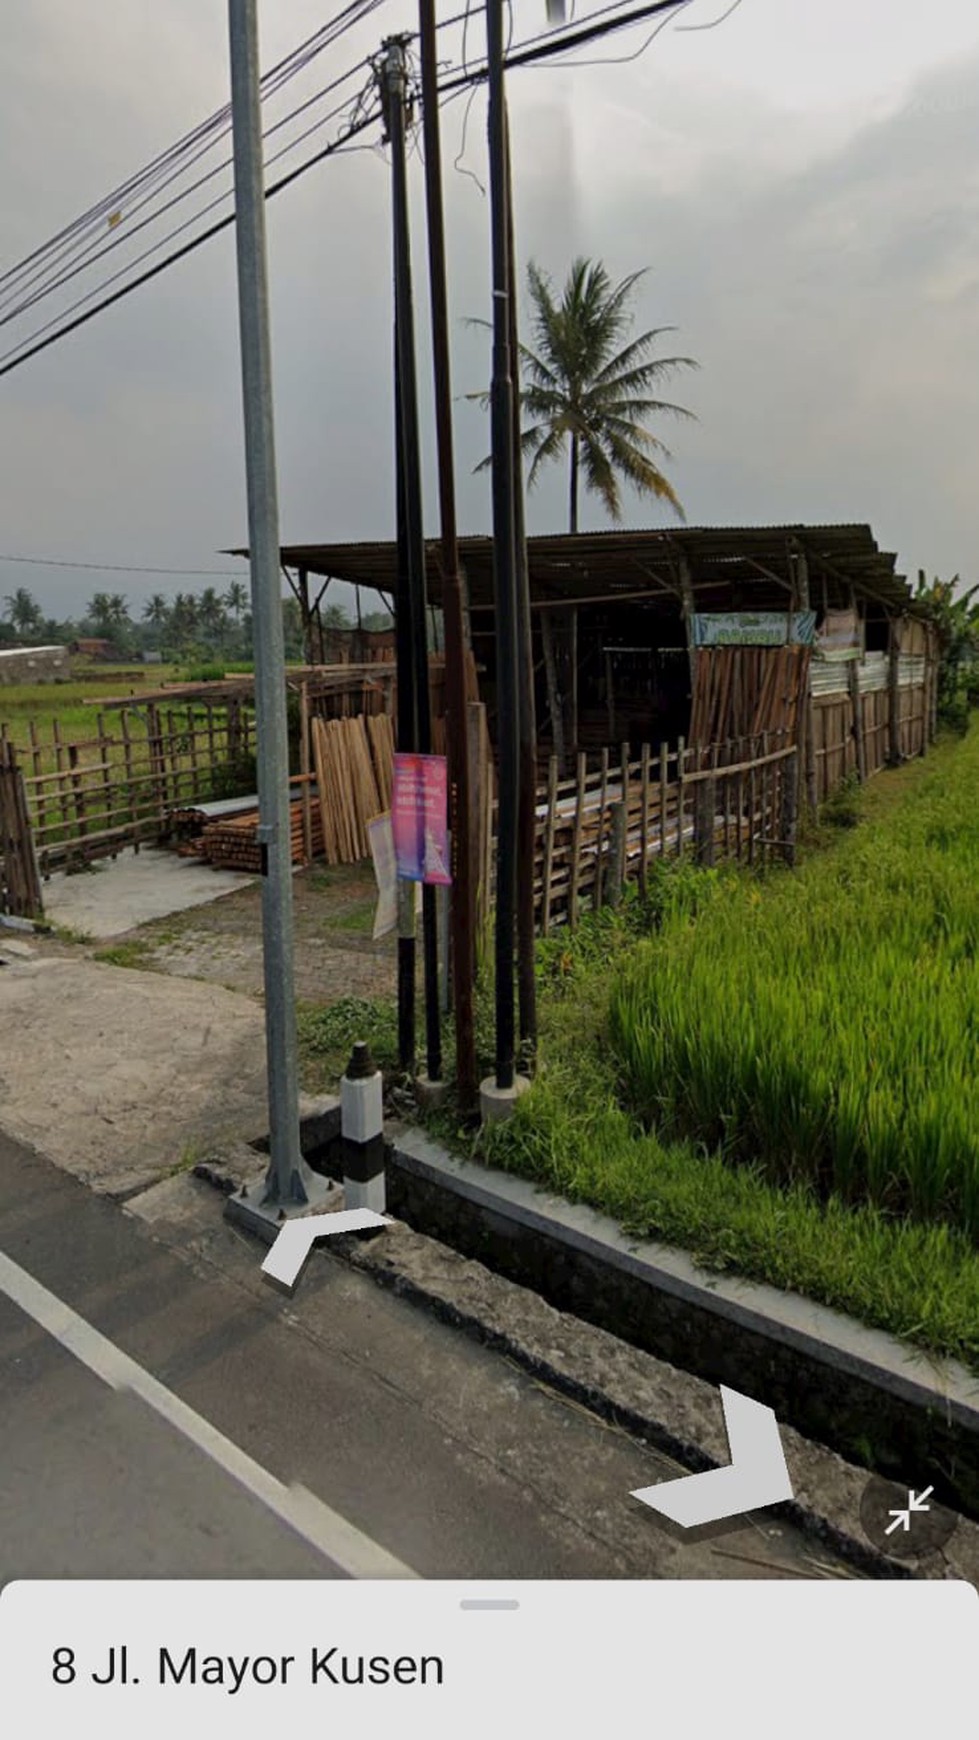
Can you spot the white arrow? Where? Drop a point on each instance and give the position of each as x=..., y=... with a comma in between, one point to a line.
x=757, y=1475
x=902, y=1518
x=284, y=1263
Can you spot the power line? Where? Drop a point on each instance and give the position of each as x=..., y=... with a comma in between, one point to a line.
x=217, y=124
x=539, y=48
x=124, y=567
x=84, y=253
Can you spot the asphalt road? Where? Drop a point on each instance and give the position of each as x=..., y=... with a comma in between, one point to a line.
x=166, y=1414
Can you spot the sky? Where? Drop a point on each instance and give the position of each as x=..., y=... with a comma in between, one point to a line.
x=799, y=185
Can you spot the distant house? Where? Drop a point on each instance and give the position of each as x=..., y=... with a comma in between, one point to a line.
x=34, y=664
x=95, y=649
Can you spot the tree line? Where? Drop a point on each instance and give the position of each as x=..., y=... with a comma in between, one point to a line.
x=187, y=625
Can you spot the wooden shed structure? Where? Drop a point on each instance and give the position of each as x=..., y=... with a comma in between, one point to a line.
x=708, y=634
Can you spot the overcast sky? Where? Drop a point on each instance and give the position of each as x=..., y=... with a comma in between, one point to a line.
x=801, y=182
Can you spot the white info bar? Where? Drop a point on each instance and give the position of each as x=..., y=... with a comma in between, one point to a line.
x=430, y=1661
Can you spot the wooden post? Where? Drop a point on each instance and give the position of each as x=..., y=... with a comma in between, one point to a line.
x=550, y=823
x=688, y=607
x=807, y=721
x=579, y=811
x=127, y=757
x=304, y=770
x=600, y=842
x=894, y=692
x=617, y=819
x=681, y=768
x=664, y=794
x=789, y=818
x=192, y=739
x=644, y=819
x=59, y=764
x=78, y=787
x=37, y=765
x=609, y=695
x=856, y=707
x=624, y=762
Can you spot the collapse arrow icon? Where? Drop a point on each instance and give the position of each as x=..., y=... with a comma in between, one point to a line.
x=285, y=1261
x=757, y=1475
x=916, y=1502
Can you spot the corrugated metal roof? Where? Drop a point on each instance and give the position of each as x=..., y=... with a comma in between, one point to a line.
x=759, y=561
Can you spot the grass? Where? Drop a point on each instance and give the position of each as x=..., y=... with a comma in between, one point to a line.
x=134, y=953
x=826, y=1028
x=328, y=1035
x=718, y=1188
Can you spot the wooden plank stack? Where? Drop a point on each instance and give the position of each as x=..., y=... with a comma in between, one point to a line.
x=348, y=787
x=231, y=842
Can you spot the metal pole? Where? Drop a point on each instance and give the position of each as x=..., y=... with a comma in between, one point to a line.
x=395, y=82
x=407, y=739
x=288, y=1177
x=527, y=817
x=463, y=906
x=503, y=558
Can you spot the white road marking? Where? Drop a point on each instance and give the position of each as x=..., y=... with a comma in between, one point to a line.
x=323, y=1528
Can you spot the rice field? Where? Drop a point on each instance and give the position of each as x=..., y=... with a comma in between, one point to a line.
x=823, y=1027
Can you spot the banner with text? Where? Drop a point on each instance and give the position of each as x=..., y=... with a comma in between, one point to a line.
x=420, y=818
x=755, y=628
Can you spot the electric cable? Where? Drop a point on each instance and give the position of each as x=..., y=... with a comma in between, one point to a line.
x=542, y=47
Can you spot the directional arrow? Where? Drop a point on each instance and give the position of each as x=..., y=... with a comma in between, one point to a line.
x=284, y=1263
x=902, y=1518
x=757, y=1475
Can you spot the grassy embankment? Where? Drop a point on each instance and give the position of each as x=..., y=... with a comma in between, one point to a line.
x=782, y=1077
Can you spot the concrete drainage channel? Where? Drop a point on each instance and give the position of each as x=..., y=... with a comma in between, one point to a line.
x=638, y=1335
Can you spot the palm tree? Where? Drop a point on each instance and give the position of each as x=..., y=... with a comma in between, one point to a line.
x=582, y=392
x=236, y=600
x=100, y=613
x=156, y=610
x=23, y=611
x=211, y=615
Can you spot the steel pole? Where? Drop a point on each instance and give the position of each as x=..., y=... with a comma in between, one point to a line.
x=288, y=1176
x=463, y=907
x=504, y=557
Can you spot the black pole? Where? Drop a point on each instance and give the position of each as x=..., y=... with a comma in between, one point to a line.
x=406, y=740
x=463, y=906
x=504, y=554
x=395, y=83
x=527, y=802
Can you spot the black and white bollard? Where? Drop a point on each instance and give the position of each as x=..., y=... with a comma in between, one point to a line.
x=362, y=1132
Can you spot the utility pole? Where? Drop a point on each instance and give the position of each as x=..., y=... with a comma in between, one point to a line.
x=393, y=79
x=527, y=801
x=463, y=906
x=407, y=739
x=504, y=559
x=289, y=1183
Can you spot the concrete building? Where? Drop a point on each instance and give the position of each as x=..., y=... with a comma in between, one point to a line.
x=34, y=664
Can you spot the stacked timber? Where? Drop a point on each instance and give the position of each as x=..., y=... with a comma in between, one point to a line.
x=380, y=733
x=347, y=784
x=232, y=842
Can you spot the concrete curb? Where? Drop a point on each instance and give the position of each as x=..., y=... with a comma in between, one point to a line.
x=675, y=1412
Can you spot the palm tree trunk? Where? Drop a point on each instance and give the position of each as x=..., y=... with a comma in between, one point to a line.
x=574, y=484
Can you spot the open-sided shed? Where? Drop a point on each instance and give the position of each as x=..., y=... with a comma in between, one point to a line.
x=618, y=622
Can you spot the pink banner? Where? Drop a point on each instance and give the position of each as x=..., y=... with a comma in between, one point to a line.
x=420, y=818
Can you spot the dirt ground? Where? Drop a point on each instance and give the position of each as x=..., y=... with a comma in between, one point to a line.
x=221, y=943
x=124, y=1061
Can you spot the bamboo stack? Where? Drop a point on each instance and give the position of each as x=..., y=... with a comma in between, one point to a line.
x=380, y=732
x=348, y=790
